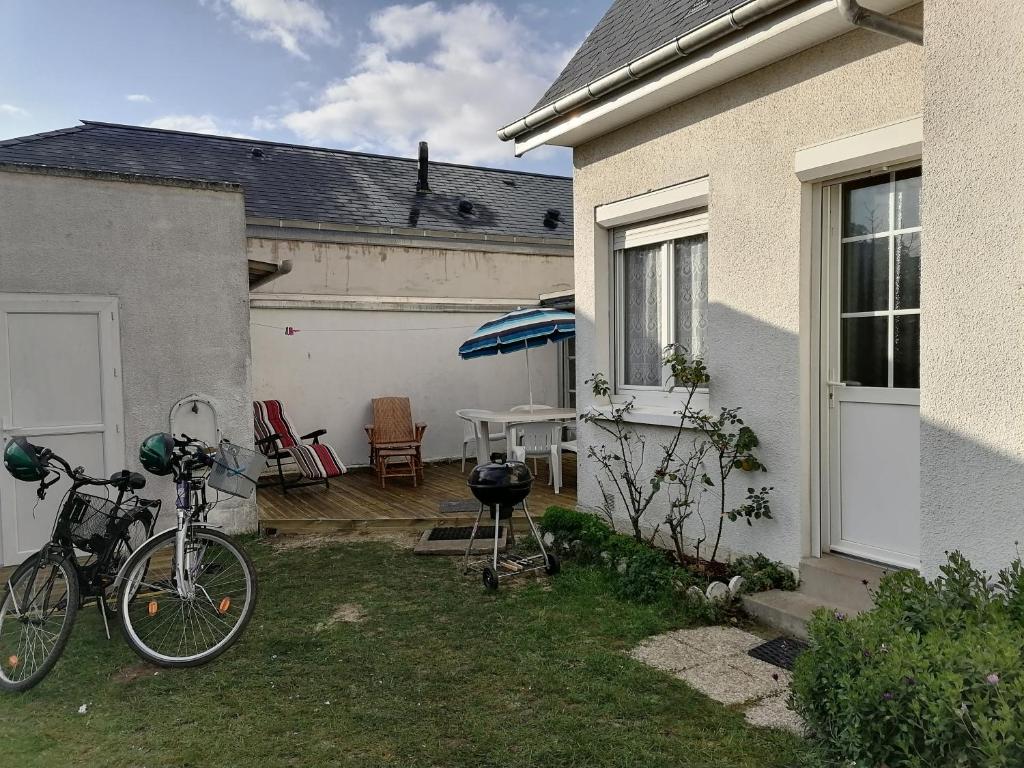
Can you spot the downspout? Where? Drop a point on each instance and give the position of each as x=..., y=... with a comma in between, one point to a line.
x=860, y=16
x=283, y=269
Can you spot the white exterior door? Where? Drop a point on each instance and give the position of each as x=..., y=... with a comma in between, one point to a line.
x=60, y=387
x=872, y=314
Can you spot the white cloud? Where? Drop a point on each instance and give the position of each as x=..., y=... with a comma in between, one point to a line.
x=260, y=123
x=13, y=111
x=282, y=21
x=195, y=124
x=140, y=98
x=451, y=76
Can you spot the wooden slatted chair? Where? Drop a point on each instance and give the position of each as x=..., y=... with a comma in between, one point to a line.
x=396, y=443
x=316, y=462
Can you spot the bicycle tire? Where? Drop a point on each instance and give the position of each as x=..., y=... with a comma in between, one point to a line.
x=7, y=682
x=131, y=595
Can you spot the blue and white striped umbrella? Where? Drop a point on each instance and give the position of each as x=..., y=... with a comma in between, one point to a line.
x=517, y=331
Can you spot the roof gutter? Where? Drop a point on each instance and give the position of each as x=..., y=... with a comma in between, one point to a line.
x=860, y=16
x=682, y=46
x=282, y=269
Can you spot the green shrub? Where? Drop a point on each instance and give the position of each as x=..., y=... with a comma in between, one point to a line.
x=641, y=573
x=933, y=676
x=761, y=574
x=567, y=526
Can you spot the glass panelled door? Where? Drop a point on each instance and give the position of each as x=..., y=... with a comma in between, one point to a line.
x=872, y=310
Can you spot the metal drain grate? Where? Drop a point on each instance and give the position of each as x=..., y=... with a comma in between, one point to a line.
x=462, y=533
x=781, y=652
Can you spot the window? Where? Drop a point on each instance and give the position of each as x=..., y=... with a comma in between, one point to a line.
x=880, y=280
x=661, y=297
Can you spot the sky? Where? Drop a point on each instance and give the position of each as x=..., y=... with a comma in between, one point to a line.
x=364, y=75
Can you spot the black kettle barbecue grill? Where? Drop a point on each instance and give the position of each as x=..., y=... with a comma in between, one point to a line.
x=501, y=486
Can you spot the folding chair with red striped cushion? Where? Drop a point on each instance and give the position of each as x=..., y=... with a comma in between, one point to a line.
x=276, y=437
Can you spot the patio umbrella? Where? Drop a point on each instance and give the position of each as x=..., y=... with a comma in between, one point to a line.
x=518, y=331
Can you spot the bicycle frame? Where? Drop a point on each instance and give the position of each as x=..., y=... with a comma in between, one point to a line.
x=190, y=508
x=60, y=546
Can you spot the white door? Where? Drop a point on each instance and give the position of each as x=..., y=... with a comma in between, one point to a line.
x=59, y=387
x=872, y=314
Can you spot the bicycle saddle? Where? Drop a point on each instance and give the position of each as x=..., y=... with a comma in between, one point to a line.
x=126, y=479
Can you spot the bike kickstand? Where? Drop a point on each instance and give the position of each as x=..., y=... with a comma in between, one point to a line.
x=101, y=604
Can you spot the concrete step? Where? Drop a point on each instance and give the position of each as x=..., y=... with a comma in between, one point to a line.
x=787, y=612
x=840, y=581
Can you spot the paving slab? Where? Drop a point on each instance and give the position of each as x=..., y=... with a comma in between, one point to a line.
x=714, y=661
x=774, y=712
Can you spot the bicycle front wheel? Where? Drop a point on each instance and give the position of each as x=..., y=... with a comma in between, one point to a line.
x=190, y=626
x=36, y=616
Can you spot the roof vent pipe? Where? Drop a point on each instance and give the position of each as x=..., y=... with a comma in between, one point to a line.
x=422, y=180
x=860, y=16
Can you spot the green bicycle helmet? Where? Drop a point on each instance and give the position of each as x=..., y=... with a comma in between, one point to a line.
x=156, y=452
x=21, y=459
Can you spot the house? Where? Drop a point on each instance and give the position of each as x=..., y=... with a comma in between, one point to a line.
x=319, y=277
x=861, y=311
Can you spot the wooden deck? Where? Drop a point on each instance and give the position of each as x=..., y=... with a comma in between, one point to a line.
x=356, y=500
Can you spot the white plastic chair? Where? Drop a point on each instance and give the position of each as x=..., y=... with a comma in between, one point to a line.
x=513, y=438
x=540, y=439
x=470, y=430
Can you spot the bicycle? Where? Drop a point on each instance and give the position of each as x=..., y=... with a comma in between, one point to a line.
x=186, y=595
x=46, y=591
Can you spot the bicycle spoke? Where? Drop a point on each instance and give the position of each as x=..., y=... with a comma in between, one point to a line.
x=34, y=617
x=174, y=622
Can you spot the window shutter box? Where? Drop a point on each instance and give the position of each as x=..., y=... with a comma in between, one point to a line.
x=659, y=231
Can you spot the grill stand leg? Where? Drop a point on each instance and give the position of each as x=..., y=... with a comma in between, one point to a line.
x=497, y=529
x=536, y=533
x=472, y=536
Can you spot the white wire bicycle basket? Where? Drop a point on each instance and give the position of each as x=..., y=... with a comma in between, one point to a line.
x=236, y=469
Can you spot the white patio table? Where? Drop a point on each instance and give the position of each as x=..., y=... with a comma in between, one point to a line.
x=484, y=419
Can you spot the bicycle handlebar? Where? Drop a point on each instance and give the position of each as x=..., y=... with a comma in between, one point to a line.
x=77, y=474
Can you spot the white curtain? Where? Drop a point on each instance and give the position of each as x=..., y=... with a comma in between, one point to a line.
x=691, y=293
x=642, y=353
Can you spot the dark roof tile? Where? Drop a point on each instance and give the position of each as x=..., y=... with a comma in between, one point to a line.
x=314, y=184
x=631, y=29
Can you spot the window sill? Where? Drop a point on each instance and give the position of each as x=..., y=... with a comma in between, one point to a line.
x=664, y=413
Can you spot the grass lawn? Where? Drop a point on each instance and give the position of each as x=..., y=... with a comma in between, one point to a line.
x=436, y=673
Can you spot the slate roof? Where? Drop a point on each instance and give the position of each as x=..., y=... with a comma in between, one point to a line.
x=631, y=29
x=315, y=184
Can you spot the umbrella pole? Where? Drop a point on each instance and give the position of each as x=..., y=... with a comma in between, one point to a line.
x=529, y=380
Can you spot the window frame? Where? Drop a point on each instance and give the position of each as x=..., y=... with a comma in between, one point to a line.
x=690, y=224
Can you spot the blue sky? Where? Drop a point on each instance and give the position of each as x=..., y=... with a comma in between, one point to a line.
x=356, y=74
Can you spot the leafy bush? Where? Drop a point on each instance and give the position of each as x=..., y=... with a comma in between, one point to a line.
x=932, y=676
x=567, y=526
x=643, y=573
x=761, y=574
x=640, y=572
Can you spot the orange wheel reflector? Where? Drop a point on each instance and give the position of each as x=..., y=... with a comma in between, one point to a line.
x=153, y=608
x=225, y=606
x=13, y=661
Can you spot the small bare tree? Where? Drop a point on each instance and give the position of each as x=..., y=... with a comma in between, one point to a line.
x=623, y=457
x=732, y=443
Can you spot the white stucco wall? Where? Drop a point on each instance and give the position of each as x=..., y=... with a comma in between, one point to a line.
x=174, y=257
x=972, y=291
x=744, y=135
x=396, y=269
x=327, y=373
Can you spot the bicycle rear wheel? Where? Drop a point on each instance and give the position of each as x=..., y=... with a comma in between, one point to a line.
x=39, y=608
x=174, y=630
